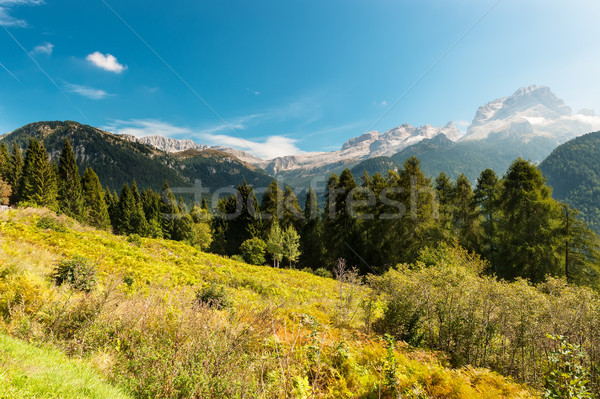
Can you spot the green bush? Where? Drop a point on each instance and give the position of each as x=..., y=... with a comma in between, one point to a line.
x=568, y=375
x=76, y=272
x=50, y=223
x=214, y=296
x=253, y=251
x=322, y=272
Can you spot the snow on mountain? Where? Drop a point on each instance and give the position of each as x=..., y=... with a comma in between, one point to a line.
x=367, y=145
x=530, y=112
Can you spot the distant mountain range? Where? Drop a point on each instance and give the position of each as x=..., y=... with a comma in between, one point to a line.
x=528, y=124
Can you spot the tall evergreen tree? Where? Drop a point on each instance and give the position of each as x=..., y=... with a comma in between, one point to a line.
x=272, y=205
x=139, y=224
x=417, y=228
x=466, y=218
x=292, y=213
x=95, y=208
x=446, y=190
x=126, y=208
x=4, y=161
x=487, y=195
x=311, y=244
x=39, y=177
x=531, y=227
x=244, y=214
x=70, y=195
x=14, y=173
x=581, y=250
x=112, y=204
x=151, y=206
x=169, y=211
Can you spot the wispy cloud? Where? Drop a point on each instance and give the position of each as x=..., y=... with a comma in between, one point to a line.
x=146, y=127
x=252, y=91
x=7, y=20
x=45, y=48
x=266, y=148
x=86, y=91
x=108, y=62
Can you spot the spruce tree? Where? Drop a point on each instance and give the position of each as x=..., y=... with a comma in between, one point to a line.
x=39, y=177
x=292, y=213
x=169, y=211
x=95, y=208
x=15, y=173
x=487, y=195
x=246, y=223
x=466, y=218
x=531, y=228
x=139, y=224
x=70, y=195
x=417, y=228
x=126, y=208
x=4, y=161
x=311, y=243
x=446, y=190
x=581, y=250
x=272, y=205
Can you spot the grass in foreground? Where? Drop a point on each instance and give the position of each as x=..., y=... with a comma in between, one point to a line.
x=27, y=371
x=286, y=333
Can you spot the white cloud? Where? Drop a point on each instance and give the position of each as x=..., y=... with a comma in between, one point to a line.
x=45, y=48
x=461, y=123
x=146, y=127
x=267, y=148
x=8, y=20
x=383, y=103
x=86, y=91
x=108, y=62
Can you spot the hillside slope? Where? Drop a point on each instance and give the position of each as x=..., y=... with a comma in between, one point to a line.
x=573, y=172
x=271, y=333
x=118, y=160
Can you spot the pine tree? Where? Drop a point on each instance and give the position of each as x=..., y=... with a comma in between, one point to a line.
x=244, y=213
x=311, y=243
x=581, y=250
x=466, y=218
x=292, y=213
x=112, y=204
x=14, y=173
x=487, y=195
x=139, y=225
x=126, y=211
x=531, y=227
x=39, y=177
x=272, y=205
x=343, y=235
x=95, y=208
x=446, y=190
x=70, y=195
x=151, y=206
x=417, y=228
x=4, y=161
x=169, y=211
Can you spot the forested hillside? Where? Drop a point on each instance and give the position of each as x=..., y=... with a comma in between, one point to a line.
x=573, y=172
x=117, y=160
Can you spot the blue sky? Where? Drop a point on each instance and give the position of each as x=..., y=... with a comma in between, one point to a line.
x=286, y=76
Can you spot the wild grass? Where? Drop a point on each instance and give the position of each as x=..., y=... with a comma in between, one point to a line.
x=283, y=333
x=28, y=371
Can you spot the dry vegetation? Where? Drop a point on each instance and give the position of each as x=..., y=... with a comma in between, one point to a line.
x=165, y=320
